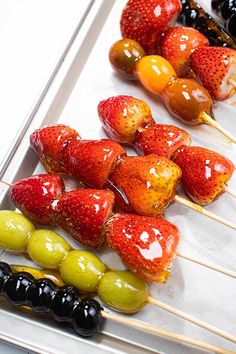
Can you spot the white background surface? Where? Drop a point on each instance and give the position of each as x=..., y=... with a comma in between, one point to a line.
x=33, y=36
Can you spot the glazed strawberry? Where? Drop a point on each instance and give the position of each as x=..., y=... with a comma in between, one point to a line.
x=48, y=143
x=91, y=160
x=160, y=139
x=146, y=245
x=83, y=214
x=145, y=21
x=205, y=173
x=37, y=197
x=177, y=45
x=145, y=184
x=215, y=66
x=121, y=116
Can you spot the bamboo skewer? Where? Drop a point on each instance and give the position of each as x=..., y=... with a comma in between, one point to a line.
x=230, y=191
x=232, y=82
x=210, y=121
x=214, y=267
x=205, y=212
x=192, y=319
x=164, y=333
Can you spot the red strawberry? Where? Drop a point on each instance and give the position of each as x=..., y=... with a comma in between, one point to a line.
x=146, y=245
x=204, y=173
x=48, y=143
x=83, y=214
x=121, y=116
x=160, y=139
x=145, y=21
x=37, y=197
x=177, y=45
x=146, y=183
x=91, y=160
x=215, y=66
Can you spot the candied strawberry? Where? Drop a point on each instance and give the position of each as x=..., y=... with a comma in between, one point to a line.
x=145, y=21
x=177, y=45
x=145, y=184
x=215, y=66
x=160, y=139
x=91, y=160
x=83, y=213
x=37, y=197
x=205, y=173
x=121, y=116
x=146, y=245
x=48, y=143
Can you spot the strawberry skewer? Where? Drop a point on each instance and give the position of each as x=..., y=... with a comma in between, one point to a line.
x=165, y=140
x=78, y=228
x=125, y=173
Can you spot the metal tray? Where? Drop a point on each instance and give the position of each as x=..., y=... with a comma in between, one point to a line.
x=84, y=79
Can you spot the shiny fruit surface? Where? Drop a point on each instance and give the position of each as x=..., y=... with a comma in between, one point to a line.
x=122, y=115
x=15, y=288
x=145, y=184
x=124, y=54
x=186, y=99
x=83, y=270
x=47, y=248
x=86, y=316
x=123, y=291
x=15, y=230
x=155, y=73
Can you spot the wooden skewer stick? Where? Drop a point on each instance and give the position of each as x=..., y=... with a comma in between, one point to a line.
x=232, y=82
x=205, y=212
x=210, y=121
x=164, y=333
x=219, y=269
x=192, y=319
x=230, y=191
x=6, y=183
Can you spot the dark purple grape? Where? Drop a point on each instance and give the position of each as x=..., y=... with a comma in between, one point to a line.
x=227, y=9
x=16, y=286
x=63, y=302
x=231, y=25
x=40, y=294
x=5, y=272
x=86, y=317
x=215, y=5
x=190, y=17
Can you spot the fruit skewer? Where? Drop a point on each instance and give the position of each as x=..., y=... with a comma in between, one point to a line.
x=227, y=11
x=86, y=225
x=168, y=141
x=178, y=94
x=121, y=290
x=125, y=175
x=195, y=16
x=188, y=52
x=64, y=304
x=184, y=98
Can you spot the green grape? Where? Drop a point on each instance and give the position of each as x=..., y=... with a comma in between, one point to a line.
x=15, y=230
x=47, y=248
x=83, y=270
x=123, y=291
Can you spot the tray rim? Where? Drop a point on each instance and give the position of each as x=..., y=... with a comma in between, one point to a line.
x=48, y=100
